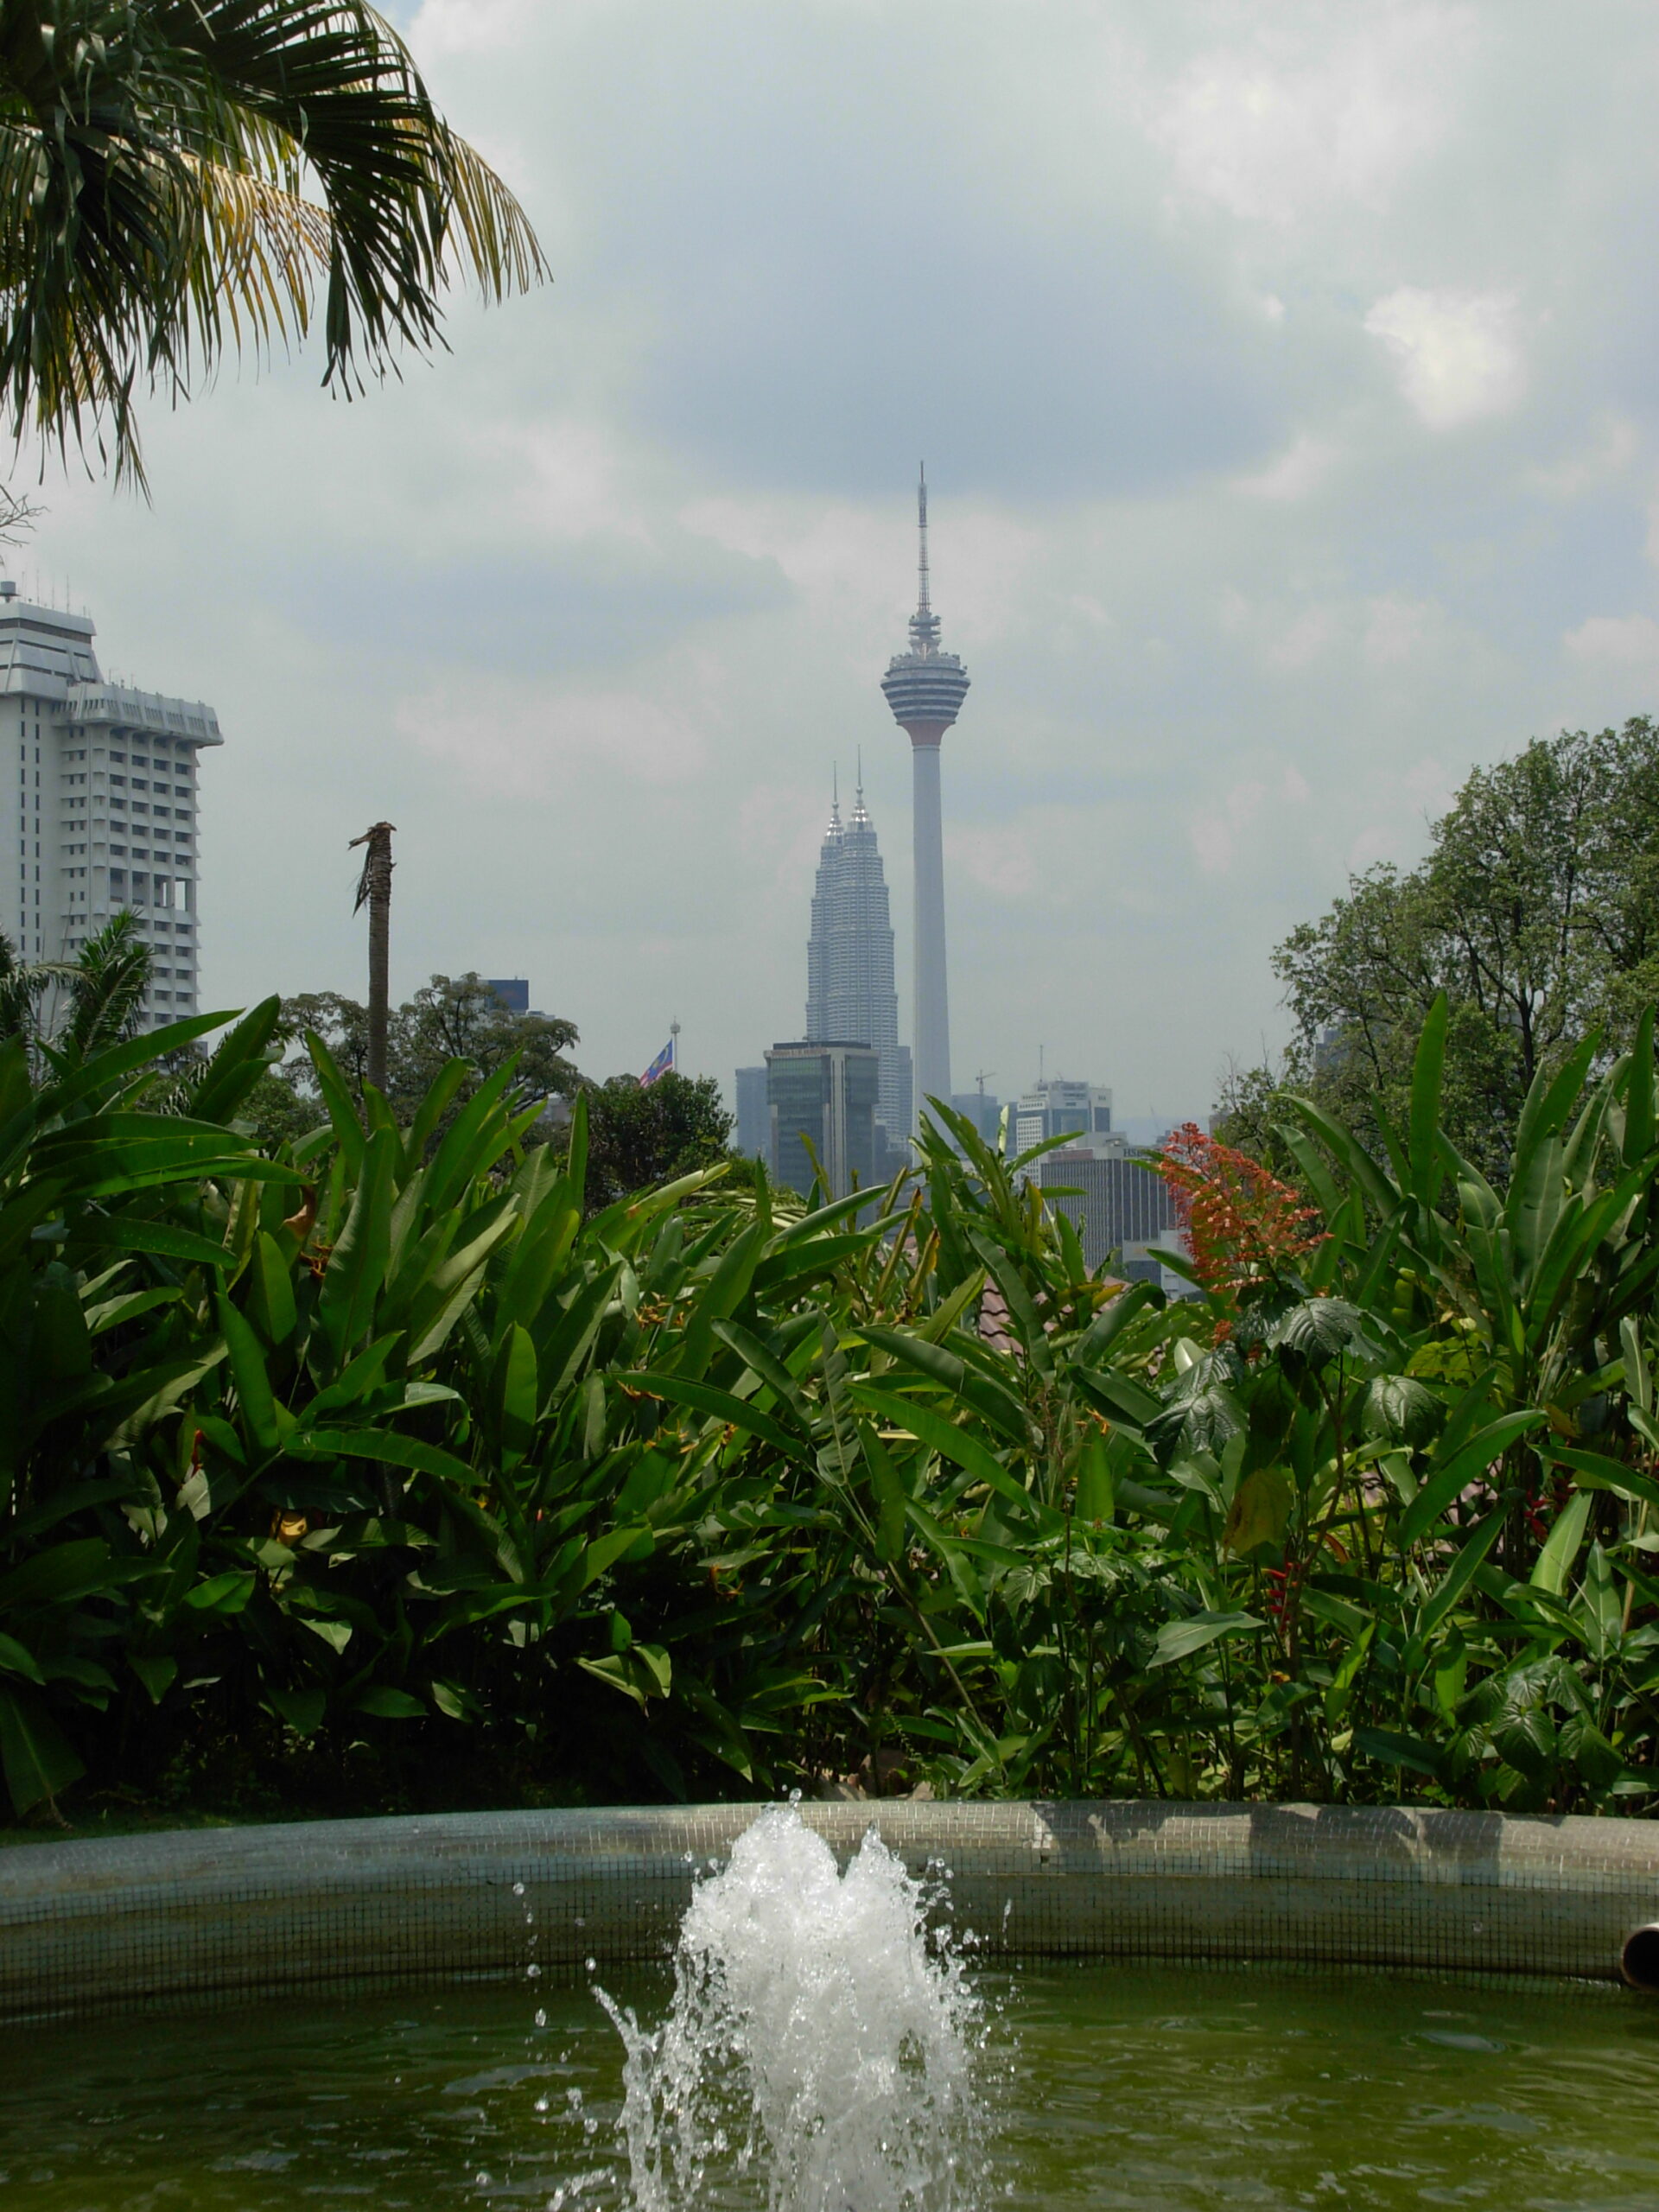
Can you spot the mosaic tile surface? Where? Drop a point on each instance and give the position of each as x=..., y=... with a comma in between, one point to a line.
x=92, y=1926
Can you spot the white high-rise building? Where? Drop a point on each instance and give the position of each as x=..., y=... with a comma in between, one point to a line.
x=102, y=809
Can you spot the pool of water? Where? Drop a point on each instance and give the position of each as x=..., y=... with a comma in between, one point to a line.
x=1155, y=2089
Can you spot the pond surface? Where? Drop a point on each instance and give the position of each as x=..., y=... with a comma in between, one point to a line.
x=1155, y=2090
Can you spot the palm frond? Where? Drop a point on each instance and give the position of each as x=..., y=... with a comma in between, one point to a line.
x=106, y=988
x=179, y=177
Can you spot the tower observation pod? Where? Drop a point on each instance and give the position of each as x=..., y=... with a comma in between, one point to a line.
x=925, y=689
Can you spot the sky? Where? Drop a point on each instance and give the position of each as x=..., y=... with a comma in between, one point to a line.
x=1285, y=376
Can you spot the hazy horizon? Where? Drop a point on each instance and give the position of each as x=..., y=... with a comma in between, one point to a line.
x=1291, y=445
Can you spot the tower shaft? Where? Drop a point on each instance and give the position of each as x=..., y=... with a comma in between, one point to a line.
x=931, y=999
x=925, y=688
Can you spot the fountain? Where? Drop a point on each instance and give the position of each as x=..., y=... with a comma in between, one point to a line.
x=810, y=2010
x=1169, y=2006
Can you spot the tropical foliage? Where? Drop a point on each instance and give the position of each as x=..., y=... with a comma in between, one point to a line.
x=1536, y=913
x=449, y=1018
x=383, y=1454
x=178, y=178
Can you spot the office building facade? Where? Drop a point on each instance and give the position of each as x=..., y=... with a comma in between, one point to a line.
x=823, y=1094
x=753, y=1135
x=1059, y=1107
x=1118, y=1203
x=102, y=811
x=983, y=1111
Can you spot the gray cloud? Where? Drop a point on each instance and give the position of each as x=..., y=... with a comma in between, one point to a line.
x=1285, y=376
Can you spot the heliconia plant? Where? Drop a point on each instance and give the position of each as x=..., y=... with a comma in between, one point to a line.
x=383, y=1455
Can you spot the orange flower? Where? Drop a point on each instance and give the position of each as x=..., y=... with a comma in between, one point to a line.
x=1240, y=1224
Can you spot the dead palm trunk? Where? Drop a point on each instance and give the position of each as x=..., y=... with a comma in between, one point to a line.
x=374, y=891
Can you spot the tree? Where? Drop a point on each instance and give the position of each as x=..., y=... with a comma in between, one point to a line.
x=1536, y=913
x=451, y=1018
x=637, y=1137
x=178, y=176
x=74, y=1009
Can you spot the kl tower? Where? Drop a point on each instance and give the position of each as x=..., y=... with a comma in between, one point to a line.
x=925, y=689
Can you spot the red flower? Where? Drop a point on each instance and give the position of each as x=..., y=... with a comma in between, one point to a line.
x=1240, y=1224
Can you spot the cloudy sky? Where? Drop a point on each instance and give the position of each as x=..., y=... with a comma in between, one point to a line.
x=1285, y=376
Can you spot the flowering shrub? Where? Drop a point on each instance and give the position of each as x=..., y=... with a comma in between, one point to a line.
x=1241, y=1225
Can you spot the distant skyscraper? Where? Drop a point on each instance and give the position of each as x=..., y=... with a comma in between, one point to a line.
x=925, y=689
x=105, y=808
x=513, y=991
x=1060, y=1107
x=753, y=1137
x=823, y=1092
x=849, y=991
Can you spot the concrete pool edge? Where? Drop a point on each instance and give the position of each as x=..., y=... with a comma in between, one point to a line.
x=98, y=1926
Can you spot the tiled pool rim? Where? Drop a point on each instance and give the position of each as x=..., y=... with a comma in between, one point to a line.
x=222, y=1913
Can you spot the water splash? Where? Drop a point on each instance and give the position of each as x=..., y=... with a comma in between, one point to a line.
x=817, y=2039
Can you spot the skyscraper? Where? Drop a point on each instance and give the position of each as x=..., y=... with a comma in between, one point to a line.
x=823, y=1095
x=849, y=989
x=105, y=806
x=925, y=689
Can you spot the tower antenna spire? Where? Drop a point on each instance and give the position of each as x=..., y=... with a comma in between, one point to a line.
x=923, y=605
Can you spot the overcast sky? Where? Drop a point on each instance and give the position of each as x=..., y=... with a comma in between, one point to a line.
x=1285, y=376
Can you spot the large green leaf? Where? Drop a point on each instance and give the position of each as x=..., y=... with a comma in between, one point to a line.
x=357, y=1267
x=1180, y=1639
x=37, y=1760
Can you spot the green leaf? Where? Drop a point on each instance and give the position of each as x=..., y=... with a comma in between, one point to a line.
x=963, y=1449
x=132, y=1233
x=1260, y=1513
x=1402, y=1410
x=1639, y=1094
x=1449, y=1481
x=15, y=1660
x=514, y=1392
x=271, y=1290
x=302, y=1709
x=1389, y=1747
x=246, y=1359
x=222, y=1593
x=718, y=1405
x=1561, y=1546
x=157, y=1675
x=382, y=1444
x=1461, y=1572
x=36, y=1758
x=1595, y=1471
x=386, y=1703
x=356, y=1272
x=1180, y=1639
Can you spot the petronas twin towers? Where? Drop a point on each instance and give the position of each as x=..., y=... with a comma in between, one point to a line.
x=850, y=999
x=850, y=994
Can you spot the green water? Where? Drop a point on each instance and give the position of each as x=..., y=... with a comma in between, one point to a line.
x=1120, y=2086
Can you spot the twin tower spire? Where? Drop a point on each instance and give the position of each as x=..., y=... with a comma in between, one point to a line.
x=850, y=995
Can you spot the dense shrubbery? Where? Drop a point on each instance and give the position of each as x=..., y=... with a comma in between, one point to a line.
x=381, y=1468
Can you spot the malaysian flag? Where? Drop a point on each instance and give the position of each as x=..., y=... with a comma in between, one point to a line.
x=661, y=1066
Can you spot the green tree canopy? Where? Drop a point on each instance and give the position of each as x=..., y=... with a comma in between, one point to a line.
x=1536, y=912
x=449, y=1018
x=637, y=1137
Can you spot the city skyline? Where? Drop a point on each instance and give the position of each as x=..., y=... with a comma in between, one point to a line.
x=1299, y=444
